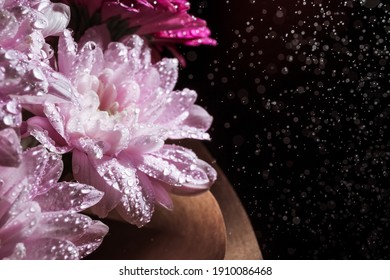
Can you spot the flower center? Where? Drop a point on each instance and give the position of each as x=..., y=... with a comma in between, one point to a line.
x=116, y=95
x=107, y=96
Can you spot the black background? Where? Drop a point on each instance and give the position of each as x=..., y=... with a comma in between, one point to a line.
x=299, y=92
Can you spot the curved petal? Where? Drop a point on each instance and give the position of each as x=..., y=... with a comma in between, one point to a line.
x=91, y=239
x=62, y=225
x=58, y=16
x=67, y=51
x=56, y=118
x=38, y=170
x=198, y=118
x=85, y=172
x=145, y=144
x=89, y=59
x=66, y=196
x=162, y=196
x=179, y=167
x=42, y=130
x=177, y=107
x=22, y=221
x=137, y=201
x=10, y=149
x=48, y=249
x=169, y=72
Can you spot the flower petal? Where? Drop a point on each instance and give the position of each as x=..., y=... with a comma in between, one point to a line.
x=67, y=50
x=145, y=144
x=22, y=220
x=180, y=168
x=46, y=171
x=198, y=118
x=10, y=149
x=91, y=239
x=58, y=15
x=38, y=170
x=85, y=172
x=68, y=196
x=49, y=249
x=62, y=225
x=176, y=107
x=162, y=196
x=42, y=130
x=137, y=201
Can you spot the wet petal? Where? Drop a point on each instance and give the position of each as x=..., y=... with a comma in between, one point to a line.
x=69, y=196
x=137, y=201
x=22, y=221
x=42, y=130
x=62, y=225
x=58, y=15
x=91, y=239
x=67, y=49
x=179, y=167
x=10, y=149
x=145, y=144
x=162, y=196
x=85, y=172
x=177, y=107
x=198, y=118
x=49, y=249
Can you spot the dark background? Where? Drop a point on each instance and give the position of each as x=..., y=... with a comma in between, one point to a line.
x=299, y=91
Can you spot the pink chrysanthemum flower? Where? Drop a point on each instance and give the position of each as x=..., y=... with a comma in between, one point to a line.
x=39, y=216
x=117, y=134
x=25, y=74
x=162, y=23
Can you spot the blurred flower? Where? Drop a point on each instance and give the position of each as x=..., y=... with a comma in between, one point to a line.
x=127, y=109
x=25, y=74
x=162, y=23
x=38, y=215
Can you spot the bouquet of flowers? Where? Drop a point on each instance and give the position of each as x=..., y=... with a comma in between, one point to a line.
x=88, y=109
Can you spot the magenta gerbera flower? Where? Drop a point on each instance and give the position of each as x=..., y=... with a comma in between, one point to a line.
x=162, y=23
x=127, y=109
x=39, y=216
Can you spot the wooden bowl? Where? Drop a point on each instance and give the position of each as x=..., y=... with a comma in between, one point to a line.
x=212, y=225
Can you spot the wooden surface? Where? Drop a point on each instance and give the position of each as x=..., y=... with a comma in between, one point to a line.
x=212, y=225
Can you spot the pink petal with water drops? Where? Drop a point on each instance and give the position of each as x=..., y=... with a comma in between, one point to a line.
x=176, y=107
x=92, y=239
x=180, y=168
x=21, y=221
x=62, y=225
x=85, y=172
x=58, y=16
x=198, y=118
x=67, y=53
x=144, y=144
x=193, y=126
x=29, y=231
x=161, y=195
x=10, y=149
x=47, y=249
x=45, y=173
x=137, y=200
x=68, y=196
x=42, y=129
